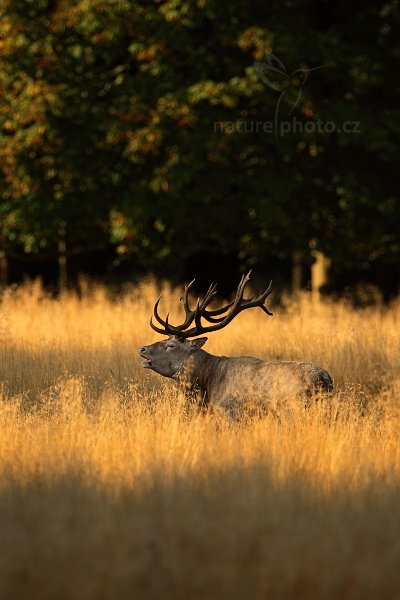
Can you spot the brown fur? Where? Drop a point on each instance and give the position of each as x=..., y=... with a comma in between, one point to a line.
x=232, y=383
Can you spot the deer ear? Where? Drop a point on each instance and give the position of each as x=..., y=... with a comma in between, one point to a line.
x=197, y=343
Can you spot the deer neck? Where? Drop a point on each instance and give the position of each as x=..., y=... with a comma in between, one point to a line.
x=200, y=370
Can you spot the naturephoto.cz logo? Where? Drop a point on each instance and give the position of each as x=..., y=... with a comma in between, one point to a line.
x=290, y=86
x=282, y=128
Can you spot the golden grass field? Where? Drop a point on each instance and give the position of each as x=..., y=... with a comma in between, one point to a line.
x=110, y=488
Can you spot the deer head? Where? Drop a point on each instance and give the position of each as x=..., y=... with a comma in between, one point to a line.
x=170, y=357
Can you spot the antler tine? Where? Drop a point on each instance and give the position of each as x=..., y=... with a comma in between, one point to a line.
x=252, y=302
x=212, y=290
x=197, y=316
x=189, y=313
x=239, y=296
x=208, y=314
x=155, y=312
x=174, y=329
x=162, y=331
x=239, y=304
x=185, y=297
x=171, y=329
x=219, y=311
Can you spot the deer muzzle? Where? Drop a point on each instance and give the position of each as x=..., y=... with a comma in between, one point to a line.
x=146, y=360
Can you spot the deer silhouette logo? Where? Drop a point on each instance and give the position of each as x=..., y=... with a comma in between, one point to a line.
x=282, y=81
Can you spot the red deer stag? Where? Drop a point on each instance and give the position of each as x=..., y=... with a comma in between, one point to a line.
x=230, y=383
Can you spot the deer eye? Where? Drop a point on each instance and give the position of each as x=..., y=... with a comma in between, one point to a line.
x=170, y=347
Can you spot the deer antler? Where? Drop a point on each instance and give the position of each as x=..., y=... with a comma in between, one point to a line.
x=228, y=312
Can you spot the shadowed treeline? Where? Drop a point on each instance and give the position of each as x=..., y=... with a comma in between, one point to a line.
x=198, y=138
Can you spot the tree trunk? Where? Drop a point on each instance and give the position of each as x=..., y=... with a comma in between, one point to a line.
x=62, y=258
x=319, y=274
x=297, y=271
x=3, y=269
x=3, y=263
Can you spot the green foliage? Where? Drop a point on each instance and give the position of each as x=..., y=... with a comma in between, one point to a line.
x=133, y=123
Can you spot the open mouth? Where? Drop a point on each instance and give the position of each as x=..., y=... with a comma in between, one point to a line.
x=146, y=362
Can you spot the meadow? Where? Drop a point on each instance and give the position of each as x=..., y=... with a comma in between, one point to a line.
x=112, y=487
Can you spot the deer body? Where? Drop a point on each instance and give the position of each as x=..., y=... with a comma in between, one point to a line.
x=230, y=383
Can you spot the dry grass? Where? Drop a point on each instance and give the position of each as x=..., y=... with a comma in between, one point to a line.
x=110, y=489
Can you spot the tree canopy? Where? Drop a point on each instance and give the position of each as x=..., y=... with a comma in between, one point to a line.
x=144, y=128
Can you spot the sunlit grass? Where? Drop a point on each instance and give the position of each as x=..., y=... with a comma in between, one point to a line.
x=111, y=487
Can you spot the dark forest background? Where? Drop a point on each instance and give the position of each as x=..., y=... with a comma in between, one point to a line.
x=129, y=141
